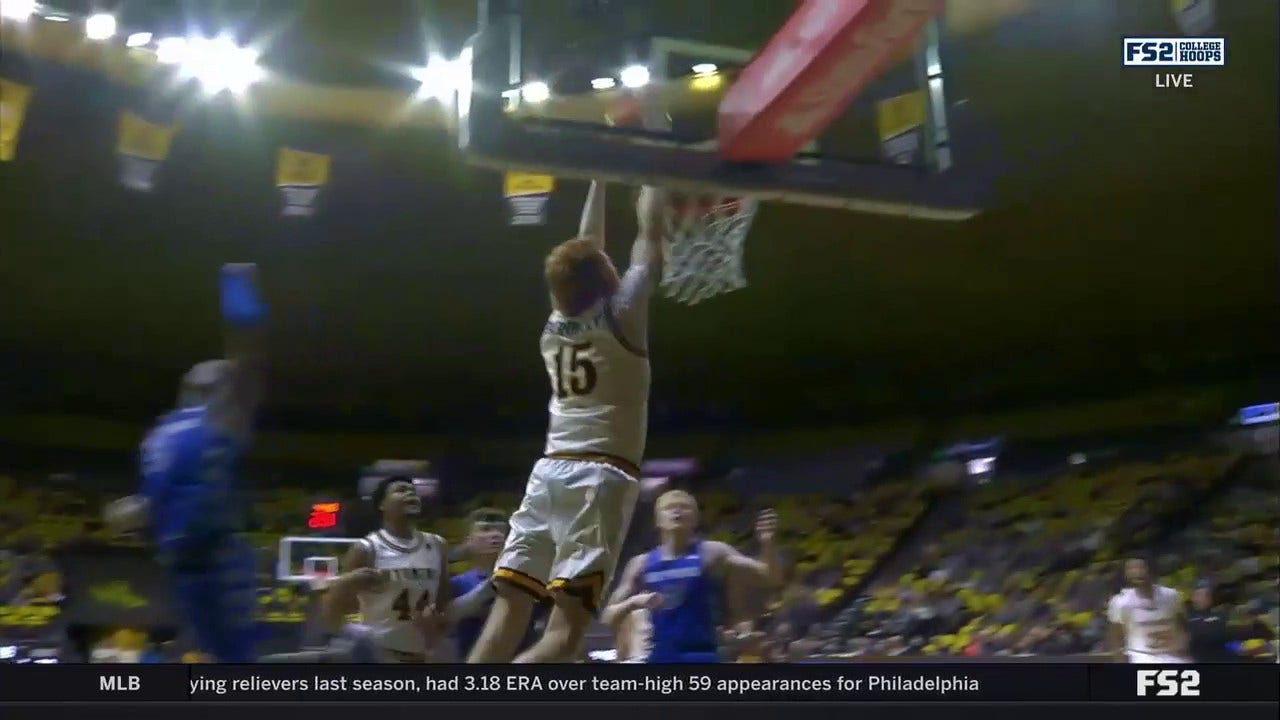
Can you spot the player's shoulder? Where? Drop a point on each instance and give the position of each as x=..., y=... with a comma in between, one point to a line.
x=370, y=543
x=1122, y=597
x=714, y=549
x=1169, y=594
x=640, y=561
x=177, y=424
x=431, y=541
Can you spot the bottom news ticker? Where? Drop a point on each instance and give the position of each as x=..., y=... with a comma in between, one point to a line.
x=827, y=683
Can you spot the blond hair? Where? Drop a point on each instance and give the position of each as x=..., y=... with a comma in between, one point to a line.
x=578, y=275
x=670, y=495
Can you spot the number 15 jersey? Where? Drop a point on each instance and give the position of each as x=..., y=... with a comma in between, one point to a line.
x=599, y=378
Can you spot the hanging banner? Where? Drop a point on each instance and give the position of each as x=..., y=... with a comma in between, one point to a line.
x=14, y=97
x=900, y=123
x=1195, y=17
x=527, y=196
x=301, y=175
x=142, y=146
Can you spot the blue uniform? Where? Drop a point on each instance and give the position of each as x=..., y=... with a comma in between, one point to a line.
x=468, y=628
x=684, y=628
x=188, y=475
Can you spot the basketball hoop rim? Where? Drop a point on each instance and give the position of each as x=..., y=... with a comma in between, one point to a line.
x=725, y=204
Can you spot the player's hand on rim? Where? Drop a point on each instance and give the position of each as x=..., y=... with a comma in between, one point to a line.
x=651, y=204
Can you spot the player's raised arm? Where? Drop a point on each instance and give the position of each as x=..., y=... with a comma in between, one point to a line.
x=591, y=226
x=649, y=247
x=630, y=304
x=625, y=600
x=767, y=568
x=244, y=318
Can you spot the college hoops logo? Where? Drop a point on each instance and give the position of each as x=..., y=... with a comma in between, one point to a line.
x=1169, y=683
x=1175, y=52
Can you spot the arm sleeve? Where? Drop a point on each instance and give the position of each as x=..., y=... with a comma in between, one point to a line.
x=631, y=304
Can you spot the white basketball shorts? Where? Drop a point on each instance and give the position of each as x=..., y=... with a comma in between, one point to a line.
x=567, y=535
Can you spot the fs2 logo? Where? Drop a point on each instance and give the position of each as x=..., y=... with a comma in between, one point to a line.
x=1169, y=683
x=1175, y=52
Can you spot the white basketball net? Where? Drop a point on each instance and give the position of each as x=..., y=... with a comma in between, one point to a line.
x=706, y=237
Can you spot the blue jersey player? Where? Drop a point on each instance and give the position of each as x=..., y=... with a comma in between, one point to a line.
x=676, y=582
x=473, y=594
x=190, y=502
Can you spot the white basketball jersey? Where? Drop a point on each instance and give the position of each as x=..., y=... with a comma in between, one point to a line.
x=1151, y=627
x=413, y=570
x=599, y=387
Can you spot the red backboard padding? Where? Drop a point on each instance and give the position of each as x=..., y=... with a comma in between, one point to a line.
x=825, y=54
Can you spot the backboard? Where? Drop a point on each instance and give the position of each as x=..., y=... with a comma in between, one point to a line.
x=831, y=103
x=305, y=559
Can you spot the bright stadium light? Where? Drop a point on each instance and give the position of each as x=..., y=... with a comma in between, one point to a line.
x=535, y=92
x=705, y=69
x=171, y=50
x=441, y=78
x=603, y=83
x=100, y=26
x=635, y=76
x=17, y=9
x=220, y=65
x=138, y=39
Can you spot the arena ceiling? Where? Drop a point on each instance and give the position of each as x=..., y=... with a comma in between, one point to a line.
x=1135, y=247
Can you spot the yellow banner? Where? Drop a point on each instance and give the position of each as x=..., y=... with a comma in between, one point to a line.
x=14, y=98
x=145, y=140
x=900, y=114
x=516, y=184
x=297, y=168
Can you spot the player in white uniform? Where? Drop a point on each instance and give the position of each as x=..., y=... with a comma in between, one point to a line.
x=567, y=534
x=394, y=575
x=1148, y=621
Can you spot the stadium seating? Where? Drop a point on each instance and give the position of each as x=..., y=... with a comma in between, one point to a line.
x=1020, y=565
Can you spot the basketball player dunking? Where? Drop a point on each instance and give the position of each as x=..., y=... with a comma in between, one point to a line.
x=1148, y=621
x=190, y=501
x=676, y=581
x=394, y=576
x=568, y=532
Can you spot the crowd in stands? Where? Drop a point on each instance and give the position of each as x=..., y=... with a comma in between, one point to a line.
x=1021, y=565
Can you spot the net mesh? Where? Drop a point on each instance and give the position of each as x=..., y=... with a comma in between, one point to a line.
x=706, y=237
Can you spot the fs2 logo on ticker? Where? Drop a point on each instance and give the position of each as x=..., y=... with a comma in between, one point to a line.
x=1175, y=52
x=1169, y=683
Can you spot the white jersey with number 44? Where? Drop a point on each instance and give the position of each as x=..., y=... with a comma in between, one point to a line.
x=1152, y=627
x=599, y=386
x=413, y=569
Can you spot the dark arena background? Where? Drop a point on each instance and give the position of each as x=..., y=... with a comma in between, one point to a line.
x=1007, y=317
